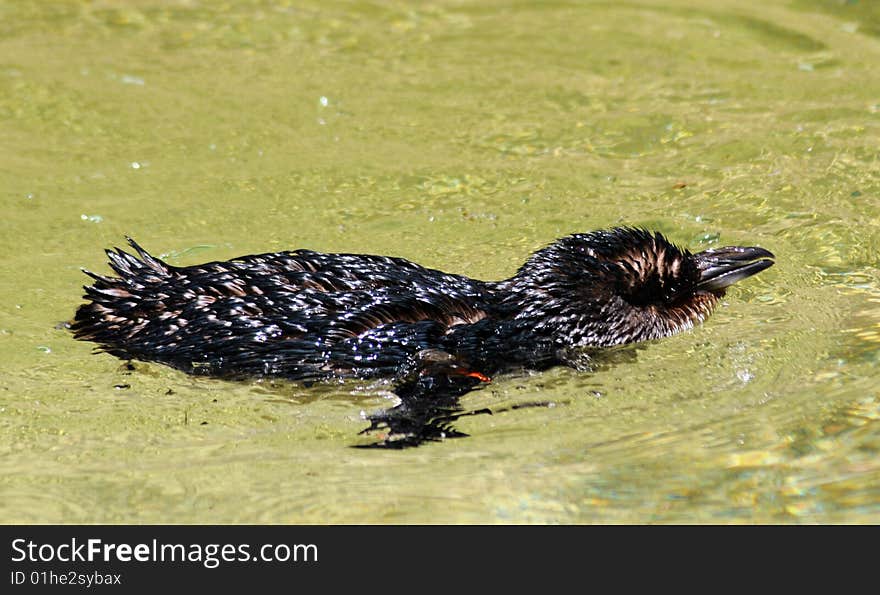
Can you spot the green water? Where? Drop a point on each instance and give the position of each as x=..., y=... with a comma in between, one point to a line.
x=461, y=135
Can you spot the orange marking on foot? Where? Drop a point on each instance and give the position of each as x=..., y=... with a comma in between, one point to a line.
x=478, y=376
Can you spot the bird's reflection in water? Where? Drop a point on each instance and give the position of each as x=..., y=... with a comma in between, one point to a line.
x=430, y=398
x=426, y=417
x=429, y=391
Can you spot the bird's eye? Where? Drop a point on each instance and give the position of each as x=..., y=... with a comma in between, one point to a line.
x=671, y=293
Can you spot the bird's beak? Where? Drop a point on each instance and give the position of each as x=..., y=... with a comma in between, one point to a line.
x=722, y=267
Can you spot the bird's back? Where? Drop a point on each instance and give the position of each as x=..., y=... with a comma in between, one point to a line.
x=300, y=314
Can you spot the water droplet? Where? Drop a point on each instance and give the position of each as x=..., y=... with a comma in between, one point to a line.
x=128, y=79
x=744, y=375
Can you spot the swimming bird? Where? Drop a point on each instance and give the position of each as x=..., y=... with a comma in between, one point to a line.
x=305, y=315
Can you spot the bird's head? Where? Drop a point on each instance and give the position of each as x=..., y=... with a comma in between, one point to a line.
x=624, y=285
